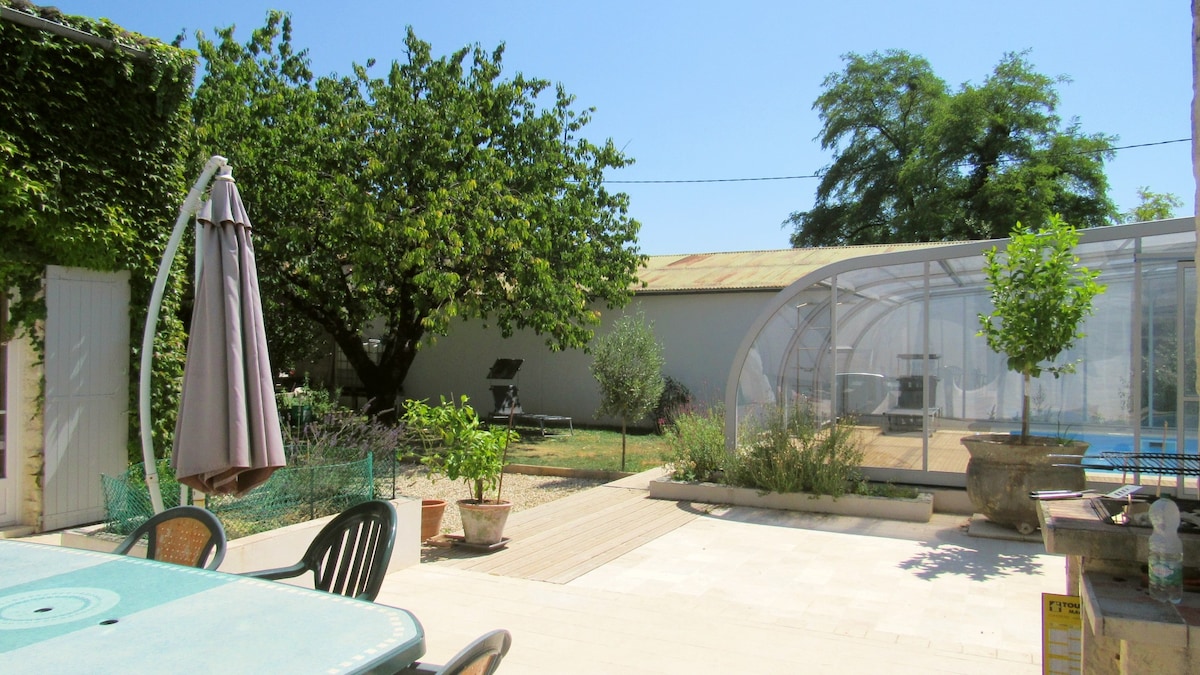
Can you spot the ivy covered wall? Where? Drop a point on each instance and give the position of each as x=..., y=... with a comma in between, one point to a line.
x=94, y=140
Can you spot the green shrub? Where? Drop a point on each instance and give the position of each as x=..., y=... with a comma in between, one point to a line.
x=789, y=450
x=697, y=444
x=469, y=451
x=674, y=400
x=339, y=435
x=866, y=488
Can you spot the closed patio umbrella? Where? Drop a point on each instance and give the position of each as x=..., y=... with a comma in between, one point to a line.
x=227, y=435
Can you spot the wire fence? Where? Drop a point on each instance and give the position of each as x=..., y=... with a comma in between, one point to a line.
x=292, y=495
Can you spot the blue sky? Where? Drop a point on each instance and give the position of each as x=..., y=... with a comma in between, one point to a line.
x=705, y=90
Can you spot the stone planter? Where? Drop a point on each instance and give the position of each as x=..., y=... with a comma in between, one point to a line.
x=483, y=522
x=918, y=510
x=1001, y=473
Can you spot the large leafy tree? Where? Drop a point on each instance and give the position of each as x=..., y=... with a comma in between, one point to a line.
x=434, y=191
x=914, y=161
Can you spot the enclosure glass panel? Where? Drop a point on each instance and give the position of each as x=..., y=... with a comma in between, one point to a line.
x=896, y=347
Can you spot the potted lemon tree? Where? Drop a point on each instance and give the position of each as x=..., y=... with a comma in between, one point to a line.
x=1040, y=297
x=472, y=453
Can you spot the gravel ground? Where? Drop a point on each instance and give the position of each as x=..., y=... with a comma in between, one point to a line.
x=522, y=490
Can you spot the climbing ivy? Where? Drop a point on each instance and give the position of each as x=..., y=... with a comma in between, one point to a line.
x=94, y=142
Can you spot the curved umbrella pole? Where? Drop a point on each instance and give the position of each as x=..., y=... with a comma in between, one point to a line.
x=189, y=208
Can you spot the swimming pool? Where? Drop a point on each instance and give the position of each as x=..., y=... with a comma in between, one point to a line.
x=1108, y=444
x=1103, y=446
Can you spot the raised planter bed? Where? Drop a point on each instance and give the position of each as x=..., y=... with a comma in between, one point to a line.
x=918, y=510
x=278, y=547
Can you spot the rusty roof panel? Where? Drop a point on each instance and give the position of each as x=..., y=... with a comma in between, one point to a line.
x=748, y=270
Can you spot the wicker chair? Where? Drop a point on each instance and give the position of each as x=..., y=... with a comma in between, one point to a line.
x=184, y=535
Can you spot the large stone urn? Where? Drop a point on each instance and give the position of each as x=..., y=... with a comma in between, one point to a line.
x=1002, y=472
x=483, y=522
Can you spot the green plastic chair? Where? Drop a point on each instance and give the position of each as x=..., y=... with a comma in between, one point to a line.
x=350, y=555
x=481, y=657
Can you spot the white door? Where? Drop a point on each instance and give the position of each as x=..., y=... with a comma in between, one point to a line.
x=9, y=490
x=86, y=412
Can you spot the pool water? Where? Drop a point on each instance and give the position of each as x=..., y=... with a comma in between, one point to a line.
x=1121, y=443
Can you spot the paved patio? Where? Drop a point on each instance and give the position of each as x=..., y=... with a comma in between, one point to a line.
x=735, y=589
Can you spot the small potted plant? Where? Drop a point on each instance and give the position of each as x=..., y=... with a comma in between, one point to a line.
x=1040, y=298
x=472, y=453
x=297, y=406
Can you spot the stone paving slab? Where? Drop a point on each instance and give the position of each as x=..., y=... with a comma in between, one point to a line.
x=761, y=591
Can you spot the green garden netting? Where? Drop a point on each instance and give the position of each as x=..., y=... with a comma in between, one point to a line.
x=292, y=495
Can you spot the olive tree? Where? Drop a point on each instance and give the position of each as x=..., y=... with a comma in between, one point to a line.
x=627, y=363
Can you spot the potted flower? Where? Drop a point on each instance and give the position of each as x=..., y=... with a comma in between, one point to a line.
x=473, y=454
x=1040, y=297
x=297, y=406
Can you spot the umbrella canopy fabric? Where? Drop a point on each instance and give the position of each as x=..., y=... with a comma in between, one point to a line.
x=227, y=435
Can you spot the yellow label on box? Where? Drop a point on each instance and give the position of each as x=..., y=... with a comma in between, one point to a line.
x=1062, y=634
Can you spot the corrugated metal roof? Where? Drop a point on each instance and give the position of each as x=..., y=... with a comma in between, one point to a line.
x=748, y=270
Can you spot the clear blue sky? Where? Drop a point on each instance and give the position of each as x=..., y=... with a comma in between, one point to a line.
x=707, y=90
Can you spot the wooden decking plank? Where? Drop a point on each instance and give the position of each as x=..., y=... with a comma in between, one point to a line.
x=538, y=517
x=563, y=571
x=568, y=537
x=904, y=451
x=583, y=539
x=567, y=533
x=604, y=544
x=560, y=524
x=564, y=562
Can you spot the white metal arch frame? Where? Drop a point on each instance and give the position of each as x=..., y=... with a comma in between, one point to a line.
x=784, y=300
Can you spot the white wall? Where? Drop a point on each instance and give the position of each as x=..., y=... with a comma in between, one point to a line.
x=699, y=332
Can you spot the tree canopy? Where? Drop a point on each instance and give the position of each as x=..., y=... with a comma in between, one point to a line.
x=914, y=161
x=436, y=190
x=1152, y=206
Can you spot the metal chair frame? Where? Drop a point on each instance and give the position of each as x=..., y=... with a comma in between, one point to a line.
x=184, y=535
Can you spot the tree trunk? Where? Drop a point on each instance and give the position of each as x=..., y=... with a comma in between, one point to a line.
x=384, y=380
x=1026, y=381
x=622, y=443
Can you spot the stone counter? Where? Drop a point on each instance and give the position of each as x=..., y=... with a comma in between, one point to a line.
x=1072, y=528
x=1125, y=631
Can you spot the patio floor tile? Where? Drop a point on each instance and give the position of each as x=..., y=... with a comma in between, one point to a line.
x=747, y=589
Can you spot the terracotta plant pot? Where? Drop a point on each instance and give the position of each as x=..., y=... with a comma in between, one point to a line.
x=432, y=511
x=483, y=522
x=1002, y=473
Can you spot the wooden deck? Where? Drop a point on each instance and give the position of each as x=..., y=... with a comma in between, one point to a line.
x=566, y=538
x=904, y=450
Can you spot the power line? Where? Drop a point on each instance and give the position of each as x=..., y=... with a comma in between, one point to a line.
x=716, y=180
x=817, y=175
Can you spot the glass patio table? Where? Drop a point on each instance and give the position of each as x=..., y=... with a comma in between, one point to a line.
x=64, y=609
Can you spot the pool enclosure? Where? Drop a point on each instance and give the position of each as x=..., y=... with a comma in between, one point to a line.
x=891, y=340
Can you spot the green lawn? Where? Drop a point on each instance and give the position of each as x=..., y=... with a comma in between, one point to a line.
x=589, y=449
